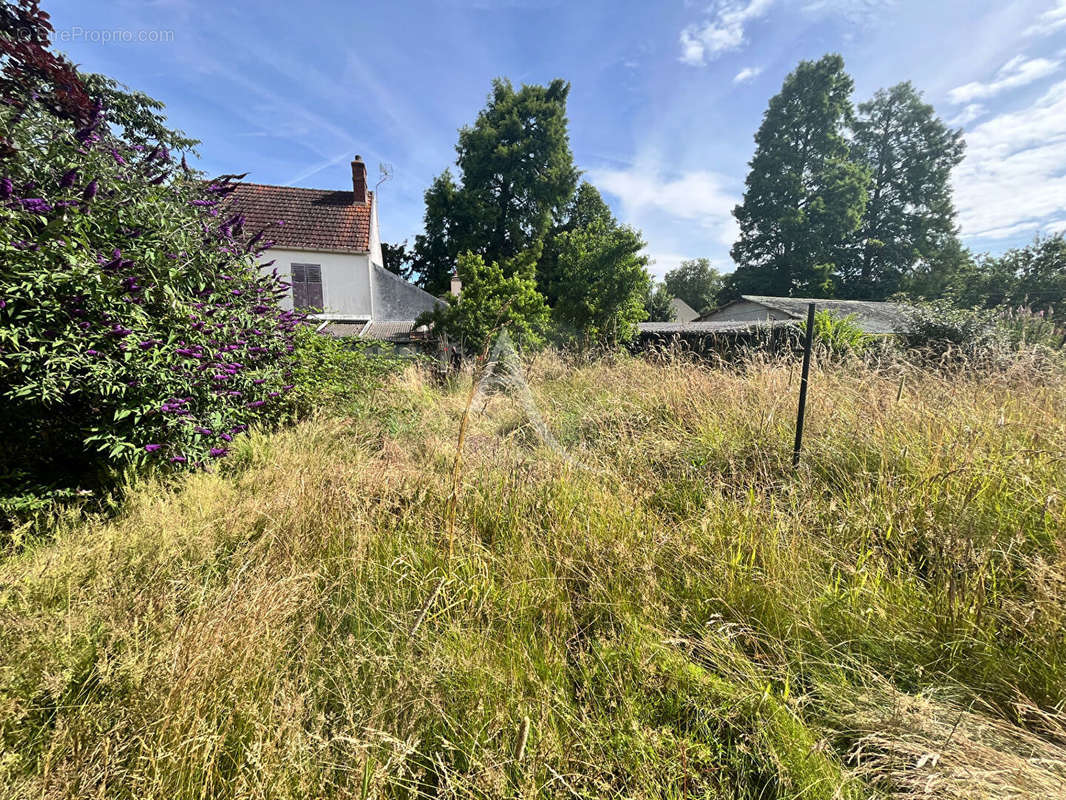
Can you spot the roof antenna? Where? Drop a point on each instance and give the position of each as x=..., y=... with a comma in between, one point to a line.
x=385, y=171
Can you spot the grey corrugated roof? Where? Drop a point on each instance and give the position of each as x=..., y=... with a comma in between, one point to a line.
x=342, y=329
x=697, y=327
x=870, y=315
x=390, y=330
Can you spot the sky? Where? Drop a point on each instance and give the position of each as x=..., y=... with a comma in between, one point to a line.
x=665, y=96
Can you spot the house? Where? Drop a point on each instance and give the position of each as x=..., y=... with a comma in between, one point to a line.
x=683, y=312
x=326, y=243
x=876, y=318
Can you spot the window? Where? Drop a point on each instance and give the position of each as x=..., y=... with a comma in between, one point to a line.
x=306, y=286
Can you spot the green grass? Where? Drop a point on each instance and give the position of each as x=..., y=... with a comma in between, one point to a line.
x=677, y=613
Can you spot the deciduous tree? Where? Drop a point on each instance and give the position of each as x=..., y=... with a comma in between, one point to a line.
x=696, y=282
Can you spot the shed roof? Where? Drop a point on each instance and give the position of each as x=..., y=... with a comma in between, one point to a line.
x=872, y=316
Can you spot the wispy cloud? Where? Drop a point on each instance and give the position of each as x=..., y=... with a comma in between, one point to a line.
x=747, y=74
x=721, y=32
x=675, y=212
x=1019, y=71
x=1014, y=176
x=968, y=114
x=698, y=195
x=1052, y=20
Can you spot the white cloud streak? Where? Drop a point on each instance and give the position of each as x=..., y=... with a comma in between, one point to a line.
x=1054, y=19
x=968, y=114
x=722, y=32
x=747, y=74
x=1019, y=71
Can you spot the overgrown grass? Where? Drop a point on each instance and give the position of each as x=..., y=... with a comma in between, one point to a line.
x=677, y=613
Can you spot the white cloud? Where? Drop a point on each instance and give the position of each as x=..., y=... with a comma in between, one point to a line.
x=1019, y=71
x=747, y=74
x=697, y=195
x=968, y=114
x=1050, y=21
x=1014, y=176
x=723, y=31
x=691, y=210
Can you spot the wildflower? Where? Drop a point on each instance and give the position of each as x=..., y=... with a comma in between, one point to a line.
x=91, y=352
x=225, y=437
x=6, y=188
x=68, y=179
x=178, y=460
x=36, y=205
x=151, y=448
x=218, y=452
x=90, y=190
x=255, y=403
x=203, y=431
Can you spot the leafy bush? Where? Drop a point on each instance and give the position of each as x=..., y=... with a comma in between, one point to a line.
x=941, y=330
x=327, y=371
x=135, y=326
x=601, y=285
x=492, y=299
x=838, y=335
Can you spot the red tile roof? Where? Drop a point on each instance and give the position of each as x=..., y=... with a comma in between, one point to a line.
x=315, y=219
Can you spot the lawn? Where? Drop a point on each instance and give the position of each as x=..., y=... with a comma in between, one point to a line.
x=641, y=598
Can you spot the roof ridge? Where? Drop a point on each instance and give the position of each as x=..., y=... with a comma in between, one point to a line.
x=297, y=188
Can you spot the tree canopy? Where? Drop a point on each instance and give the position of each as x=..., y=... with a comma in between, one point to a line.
x=516, y=172
x=909, y=154
x=804, y=194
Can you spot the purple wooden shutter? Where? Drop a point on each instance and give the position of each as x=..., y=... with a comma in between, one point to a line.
x=299, y=286
x=313, y=282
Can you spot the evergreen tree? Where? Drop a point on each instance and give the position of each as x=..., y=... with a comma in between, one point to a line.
x=437, y=249
x=909, y=154
x=517, y=168
x=804, y=195
x=516, y=173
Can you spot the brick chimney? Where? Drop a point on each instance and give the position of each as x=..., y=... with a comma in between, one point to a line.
x=359, y=179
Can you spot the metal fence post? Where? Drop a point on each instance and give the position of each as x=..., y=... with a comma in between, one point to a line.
x=807, y=345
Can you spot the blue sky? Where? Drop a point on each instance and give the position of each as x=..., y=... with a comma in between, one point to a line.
x=665, y=97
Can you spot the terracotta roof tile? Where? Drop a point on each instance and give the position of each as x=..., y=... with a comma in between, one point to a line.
x=315, y=219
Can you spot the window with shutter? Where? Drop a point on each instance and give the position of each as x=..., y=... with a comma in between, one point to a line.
x=307, y=286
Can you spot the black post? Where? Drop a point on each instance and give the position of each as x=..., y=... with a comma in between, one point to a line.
x=807, y=344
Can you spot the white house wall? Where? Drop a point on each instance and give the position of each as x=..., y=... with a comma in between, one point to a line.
x=345, y=278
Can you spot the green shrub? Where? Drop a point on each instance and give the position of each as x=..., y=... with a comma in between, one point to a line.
x=940, y=330
x=135, y=326
x=838, y=335
x=327, y=371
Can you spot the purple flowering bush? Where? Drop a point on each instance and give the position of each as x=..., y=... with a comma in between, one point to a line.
x=135, y=326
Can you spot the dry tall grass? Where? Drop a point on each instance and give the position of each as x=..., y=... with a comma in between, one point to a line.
x=652, y=606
